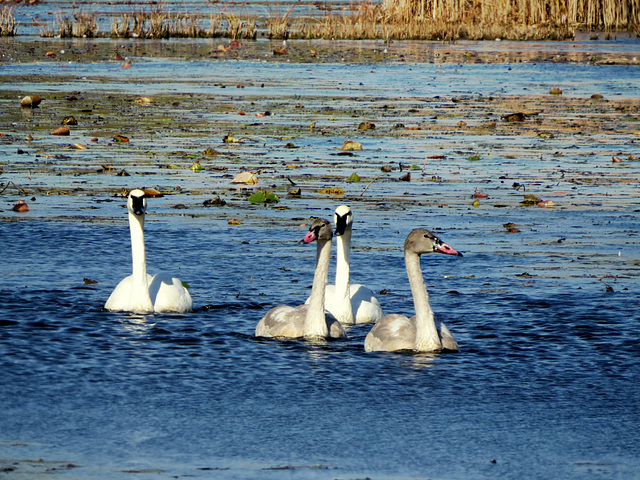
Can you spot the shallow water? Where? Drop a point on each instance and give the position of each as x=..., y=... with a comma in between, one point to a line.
x=546, y=382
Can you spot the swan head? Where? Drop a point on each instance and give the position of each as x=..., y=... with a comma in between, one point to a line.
x=319, y=230
x=423, y=241
x=137, y=203
x=343, y=219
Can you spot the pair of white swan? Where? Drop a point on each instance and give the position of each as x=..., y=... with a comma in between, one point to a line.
x=392, y=332
x=141, y=292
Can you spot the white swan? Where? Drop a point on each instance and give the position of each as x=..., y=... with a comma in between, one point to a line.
x=307, y=321
x=141, y=292
x=349, y=303
x=419, y=333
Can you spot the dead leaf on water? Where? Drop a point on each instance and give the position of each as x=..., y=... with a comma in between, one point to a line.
x=20, y=206
x=555, y=91
x=531, y=199
x=30, y=101
x=61, y=131
x=332, y=191
x=120, y=139
x=514, y=117
x=233, y=221
x=144, y=100
x=152, y=192
x=249, y=178
x=215, y=202
x=350, y=145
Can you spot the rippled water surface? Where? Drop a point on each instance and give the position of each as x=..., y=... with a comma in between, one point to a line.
x=546, y=383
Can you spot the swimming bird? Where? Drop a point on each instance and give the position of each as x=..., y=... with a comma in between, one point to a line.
x=349, y=303
x=141, y=292
x=419, y=333
x=309, y=321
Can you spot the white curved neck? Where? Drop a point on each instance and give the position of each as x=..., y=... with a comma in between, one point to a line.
x=315, y=324
x=427, y=337
x=140, y=284
x=342, y=299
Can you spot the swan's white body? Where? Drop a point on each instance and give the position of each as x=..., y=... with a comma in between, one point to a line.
x=419, y=333
x=349, y=303
x=308, y=321
x=141, y=292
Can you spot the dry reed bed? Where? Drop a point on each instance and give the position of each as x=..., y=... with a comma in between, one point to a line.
x=8, y=24
x=389, y=20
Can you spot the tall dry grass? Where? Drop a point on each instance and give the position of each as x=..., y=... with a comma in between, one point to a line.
x=8, y=24
x=79, y=25
x=368, y=19
x=152, y=21
x=590, y=14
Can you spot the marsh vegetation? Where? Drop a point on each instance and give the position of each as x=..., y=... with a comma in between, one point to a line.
x=364, y=19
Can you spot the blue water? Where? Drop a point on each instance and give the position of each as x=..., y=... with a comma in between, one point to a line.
x=151, y=75
x=545, y=385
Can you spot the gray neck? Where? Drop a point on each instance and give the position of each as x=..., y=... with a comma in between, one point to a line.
x=427, y=337
x=315, y=324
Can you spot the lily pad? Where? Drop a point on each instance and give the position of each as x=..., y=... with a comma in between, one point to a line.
x=262, y=196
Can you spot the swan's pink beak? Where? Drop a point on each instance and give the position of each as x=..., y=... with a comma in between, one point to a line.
x=447, y=250
x=309, y=237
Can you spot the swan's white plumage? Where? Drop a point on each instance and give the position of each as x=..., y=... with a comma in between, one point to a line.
x=141, y=292
x=419, y=333
x=307, y=321
x=349, y=303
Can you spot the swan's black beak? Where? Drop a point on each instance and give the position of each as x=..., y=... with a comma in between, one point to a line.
x=138, y=205
x=341, y=223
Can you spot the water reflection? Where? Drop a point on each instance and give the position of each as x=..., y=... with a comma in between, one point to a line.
x=419, y=361
x=137, y=324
